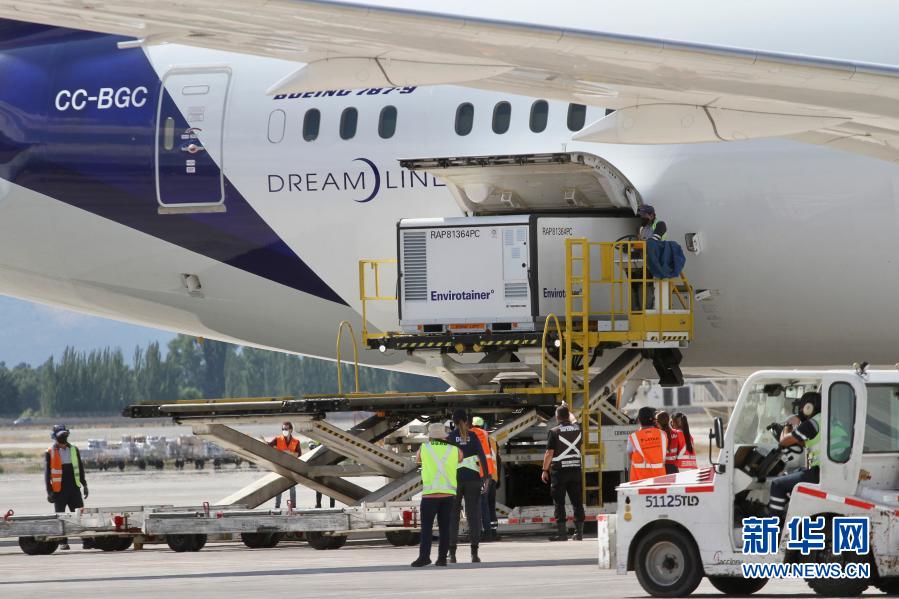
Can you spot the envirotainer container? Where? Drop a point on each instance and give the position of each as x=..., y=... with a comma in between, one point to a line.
x=499, y=273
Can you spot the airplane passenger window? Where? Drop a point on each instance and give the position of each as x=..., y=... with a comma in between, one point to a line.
x=387, y=122
x=276, y=122
x=539, y=114
x=348, y=119
x=311, y=122
x=502, y=116
x=577, y=114
x=168, y=133
x=464, y=119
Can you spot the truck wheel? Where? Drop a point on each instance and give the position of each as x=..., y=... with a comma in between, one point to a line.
x=273, y=541
x=399, y=538
x=337, y=541
x=321, y=541
x=32, y=546
x=835, y=587
x=890, y=586
x=182, y=543
x=123, y=543
x=667, y=563
x=255, y=540
x=317, y=540
x=734, y=586
x=105, y=543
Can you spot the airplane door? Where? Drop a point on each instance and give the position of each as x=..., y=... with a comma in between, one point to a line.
x=189, y=134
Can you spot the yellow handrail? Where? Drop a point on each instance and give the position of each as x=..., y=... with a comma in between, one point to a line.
x=346, y=324
x=364, y=297
x=555, y=320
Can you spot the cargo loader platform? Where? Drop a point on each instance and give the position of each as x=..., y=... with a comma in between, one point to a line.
x=513, y=378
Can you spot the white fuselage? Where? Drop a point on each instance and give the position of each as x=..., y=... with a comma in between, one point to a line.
x=798, y=242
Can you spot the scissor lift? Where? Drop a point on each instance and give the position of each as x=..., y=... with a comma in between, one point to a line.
x=518, y=381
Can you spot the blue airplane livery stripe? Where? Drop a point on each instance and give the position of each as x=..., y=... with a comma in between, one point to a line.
x=96, y=150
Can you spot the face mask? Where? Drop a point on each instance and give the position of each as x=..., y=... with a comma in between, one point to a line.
x=285, y=432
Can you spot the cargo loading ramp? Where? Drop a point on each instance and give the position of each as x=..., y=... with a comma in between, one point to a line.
x=532, y=183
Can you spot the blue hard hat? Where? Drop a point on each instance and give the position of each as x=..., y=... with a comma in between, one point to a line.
x=646, y=209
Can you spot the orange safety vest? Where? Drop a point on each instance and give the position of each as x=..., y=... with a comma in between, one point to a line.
x=648, y=458
x=283, y=445
x=482, y=436
x=56, y=467
x=686, y=459
x=676, y=443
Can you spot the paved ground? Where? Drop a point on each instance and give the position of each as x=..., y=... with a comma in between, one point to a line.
x=26, y=495
x=524, y=568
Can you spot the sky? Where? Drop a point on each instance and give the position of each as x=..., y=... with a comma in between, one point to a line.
x=33, y=332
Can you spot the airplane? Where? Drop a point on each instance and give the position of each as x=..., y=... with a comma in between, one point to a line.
x=221, y=172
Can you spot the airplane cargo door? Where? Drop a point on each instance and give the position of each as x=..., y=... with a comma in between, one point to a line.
x=189, y=134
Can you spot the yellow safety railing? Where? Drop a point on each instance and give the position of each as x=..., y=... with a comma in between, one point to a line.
x=552, y=317
x=636, y=306
x=372, y=267
x=346, y=325
x=611, y=298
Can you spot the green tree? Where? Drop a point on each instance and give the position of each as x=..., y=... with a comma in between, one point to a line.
x=10, y=398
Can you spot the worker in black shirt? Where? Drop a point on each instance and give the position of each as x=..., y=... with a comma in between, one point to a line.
x=471, y=484
x=562, y=466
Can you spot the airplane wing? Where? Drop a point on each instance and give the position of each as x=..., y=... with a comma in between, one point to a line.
x=663, y=91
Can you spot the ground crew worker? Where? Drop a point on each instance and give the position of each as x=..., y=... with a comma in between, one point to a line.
x=686, y=456
x=562, y=469
x=471, y=485
x=64, y=477
x=646, y=448
x=287, y=442
x=651, y=228
x=804, y=429
x=675, y=441
x=439, y=461
x=489, y=522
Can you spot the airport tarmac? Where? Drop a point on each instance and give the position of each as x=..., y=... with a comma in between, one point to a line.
x=521, y=568
x=516, y=567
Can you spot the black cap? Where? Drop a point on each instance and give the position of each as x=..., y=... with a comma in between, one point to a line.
x=460, y=415
x=646, y=209
x=646, y=415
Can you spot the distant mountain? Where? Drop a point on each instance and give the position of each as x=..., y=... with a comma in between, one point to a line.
x=32, y=332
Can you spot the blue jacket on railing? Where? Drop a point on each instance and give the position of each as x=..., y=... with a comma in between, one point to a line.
x=664, y=259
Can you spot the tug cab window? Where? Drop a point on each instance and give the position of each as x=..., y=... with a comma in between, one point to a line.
x=840, y=422
x=882, y=420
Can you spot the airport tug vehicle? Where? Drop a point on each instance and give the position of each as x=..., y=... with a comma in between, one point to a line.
x=675, y=529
